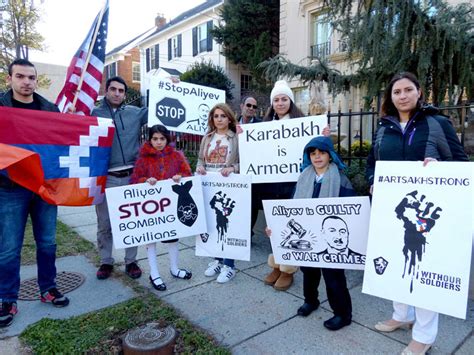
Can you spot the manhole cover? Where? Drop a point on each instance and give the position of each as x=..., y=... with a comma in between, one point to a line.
x=65, y=281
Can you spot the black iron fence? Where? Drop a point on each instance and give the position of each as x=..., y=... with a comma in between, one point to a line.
x=352, y=131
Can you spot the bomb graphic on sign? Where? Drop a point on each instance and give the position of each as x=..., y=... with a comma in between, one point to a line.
x=187, y=210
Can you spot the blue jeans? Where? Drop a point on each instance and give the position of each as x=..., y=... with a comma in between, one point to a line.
x=15, y=205
x=228, y=262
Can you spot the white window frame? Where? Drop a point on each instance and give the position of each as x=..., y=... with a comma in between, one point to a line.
x=136, y=72
x=152, y=57
x=202, y=38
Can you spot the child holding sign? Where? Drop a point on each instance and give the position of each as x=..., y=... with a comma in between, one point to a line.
x=159, y=161
x=322, y=177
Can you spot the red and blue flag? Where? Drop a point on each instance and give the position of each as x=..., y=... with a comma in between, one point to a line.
x=62, y=157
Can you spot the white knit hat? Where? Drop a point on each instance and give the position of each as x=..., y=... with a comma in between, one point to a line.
x=281, y=87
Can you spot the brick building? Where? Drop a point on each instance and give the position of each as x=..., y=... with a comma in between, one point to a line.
x=124, y=61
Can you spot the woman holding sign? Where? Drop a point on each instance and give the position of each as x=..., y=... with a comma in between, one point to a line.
x=282, y=108
x=159, y=161
x=413, y=131
x=219, y=151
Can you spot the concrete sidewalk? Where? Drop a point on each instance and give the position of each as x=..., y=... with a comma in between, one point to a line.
x=245, y=315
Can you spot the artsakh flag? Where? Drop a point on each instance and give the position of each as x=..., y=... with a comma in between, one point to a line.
x=62, y=157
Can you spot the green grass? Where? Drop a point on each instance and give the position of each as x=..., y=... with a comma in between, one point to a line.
x=101, y=331
x=68, y=243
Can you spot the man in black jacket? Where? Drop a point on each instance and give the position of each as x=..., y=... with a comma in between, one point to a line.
x=16, y=203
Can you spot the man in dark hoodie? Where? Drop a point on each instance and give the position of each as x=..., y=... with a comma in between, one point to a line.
x=128, y=121
x=16, y=203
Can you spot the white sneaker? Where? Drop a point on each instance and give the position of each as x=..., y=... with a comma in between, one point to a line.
x=226, y=274
x=213, y=268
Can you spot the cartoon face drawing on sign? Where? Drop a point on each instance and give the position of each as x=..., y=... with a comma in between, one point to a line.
x=223, y=207
x=335, y=233
x=418, y=217
x=203, y=110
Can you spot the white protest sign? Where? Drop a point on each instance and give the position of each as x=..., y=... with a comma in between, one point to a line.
x=279, y=145
x=181, y=107
x=227, y=201
x=319, y=232
x=143, y=213
x=420, y=235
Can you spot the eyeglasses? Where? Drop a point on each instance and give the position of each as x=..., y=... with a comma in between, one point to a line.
x=251, y=106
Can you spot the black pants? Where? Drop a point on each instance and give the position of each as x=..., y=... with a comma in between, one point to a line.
x=336, y=288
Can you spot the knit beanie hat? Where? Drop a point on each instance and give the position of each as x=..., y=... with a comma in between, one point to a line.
x=281, y=87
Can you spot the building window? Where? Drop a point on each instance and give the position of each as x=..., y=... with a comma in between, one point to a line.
x=111, y=70
x=321, y=36
x=152, y=57
x=245, y=81
x=202, y=39
x=174, y=47
x=135, y=71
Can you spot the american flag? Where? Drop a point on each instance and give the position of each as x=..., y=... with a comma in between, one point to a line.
x=92, y=75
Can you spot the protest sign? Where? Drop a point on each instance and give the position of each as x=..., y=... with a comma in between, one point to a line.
x=181, y=107
x=143, y=213
x=227, y=205
x=420, y=235
x=279, y=145
x=322, y=232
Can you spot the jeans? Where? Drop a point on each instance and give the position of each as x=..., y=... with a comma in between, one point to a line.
x=15, y=205
x=227, y=262
x=104, y=230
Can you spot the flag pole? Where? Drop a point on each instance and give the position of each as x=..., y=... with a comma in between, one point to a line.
x=89, y=53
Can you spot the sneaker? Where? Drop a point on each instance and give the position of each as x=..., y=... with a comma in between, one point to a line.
x=104, y=271
x=55, y=297
x=213, y=268
x=133, y=270
x=7, y=312
x=226, y=274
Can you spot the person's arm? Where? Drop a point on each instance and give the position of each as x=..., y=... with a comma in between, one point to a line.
x=370, y=168
x=227, y=171
x=268, y=232
x=143, y=114
x=456, y=150
x=236, y=164
x=201, y=161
